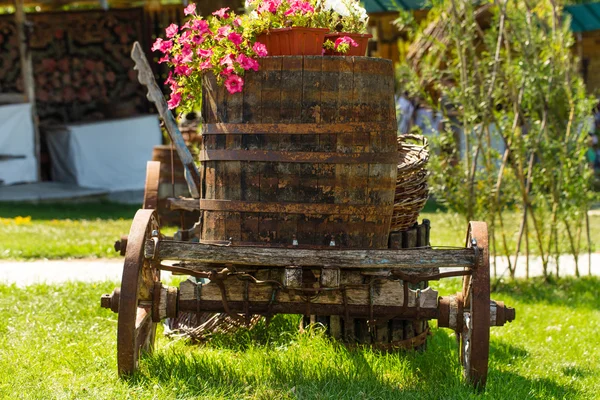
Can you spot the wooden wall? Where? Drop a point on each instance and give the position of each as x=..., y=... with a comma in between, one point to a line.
x=587, y=48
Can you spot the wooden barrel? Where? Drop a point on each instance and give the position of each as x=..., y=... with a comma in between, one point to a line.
x=171, y=184
x=306, y=155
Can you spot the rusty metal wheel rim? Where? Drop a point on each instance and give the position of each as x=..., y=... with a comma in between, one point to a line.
x=475, y=335
x=135, y=329
x=151, y=186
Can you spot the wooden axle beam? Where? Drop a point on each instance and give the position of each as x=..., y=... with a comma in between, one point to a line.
x=285, y=257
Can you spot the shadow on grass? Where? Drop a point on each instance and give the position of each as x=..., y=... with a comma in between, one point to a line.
x=571, y=292
x=287, y=365
x=84, y=210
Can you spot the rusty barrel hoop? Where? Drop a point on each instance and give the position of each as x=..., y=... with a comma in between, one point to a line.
x=305, y=155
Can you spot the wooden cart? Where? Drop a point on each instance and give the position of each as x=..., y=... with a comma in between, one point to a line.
x=295, y=191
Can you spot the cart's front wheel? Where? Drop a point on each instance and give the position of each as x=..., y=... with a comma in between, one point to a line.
x=474, y=337
x=135, y=329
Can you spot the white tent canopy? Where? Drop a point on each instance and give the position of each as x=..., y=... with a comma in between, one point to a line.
x=17, y=140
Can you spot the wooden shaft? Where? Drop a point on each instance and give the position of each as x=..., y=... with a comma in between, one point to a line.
x=146, y=78
x=282, y=257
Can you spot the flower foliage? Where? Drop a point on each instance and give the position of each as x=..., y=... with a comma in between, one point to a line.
x=336, y=15
x=264, y=15
x=217, y=44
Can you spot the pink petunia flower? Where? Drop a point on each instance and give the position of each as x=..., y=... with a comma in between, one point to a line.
x=187, y=54
x=185, y=37
x=198, y=39
x=235, y=38
x=201, y=26
x=260, y=49
x=227, y=60
x=157, y=44
x=222, y=13
x=345, y=39
x=170, y=80
x=268, y=6
x=237, y=21
x=183, y=70
x=164, y=59
x=190, y=9
x=205, y=65
x=234, y=84
x=299, y=6
x=204, y=53
x=166, y=45
x=162, y=45
x=174, y=100
x=247, y=62
x=227, y=71
x=172, y=30
x=223, y=32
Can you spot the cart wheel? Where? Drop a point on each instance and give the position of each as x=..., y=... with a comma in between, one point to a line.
x=136, y=331
x=474, y=339
x=151, y=186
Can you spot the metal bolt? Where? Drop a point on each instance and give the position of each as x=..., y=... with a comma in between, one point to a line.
x=155, y=233
x=105, y=300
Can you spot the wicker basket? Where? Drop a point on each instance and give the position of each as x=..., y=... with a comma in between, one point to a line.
x=411, y=185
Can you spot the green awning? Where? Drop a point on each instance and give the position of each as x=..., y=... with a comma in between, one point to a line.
x=379, y=6
x=584, y=17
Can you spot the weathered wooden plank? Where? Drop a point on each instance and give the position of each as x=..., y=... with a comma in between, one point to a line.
x=397, y=330
x=409, y=238
x=311, y=90
x=278, y=257
x=387, y=293
x=335, y=327
x=395, y=240
x=346, y=90
x=382, y=331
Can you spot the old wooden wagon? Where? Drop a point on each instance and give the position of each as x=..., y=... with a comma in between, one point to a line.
x=295, y=190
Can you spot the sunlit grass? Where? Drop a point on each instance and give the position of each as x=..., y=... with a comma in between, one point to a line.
x=56, y=342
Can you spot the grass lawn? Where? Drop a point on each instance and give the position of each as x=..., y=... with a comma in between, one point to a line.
x=56, y=342
x=82, y=230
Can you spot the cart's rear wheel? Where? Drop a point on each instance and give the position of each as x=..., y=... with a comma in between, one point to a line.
x=474, y=339
x=136, y=331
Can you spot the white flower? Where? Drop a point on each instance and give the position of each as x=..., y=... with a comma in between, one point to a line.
x=339, y=6
x=250, y=5
x=360, y=12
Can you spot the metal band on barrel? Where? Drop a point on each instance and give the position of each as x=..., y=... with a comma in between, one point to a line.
x=299, y=157
x=296, y=129
x=295, y=208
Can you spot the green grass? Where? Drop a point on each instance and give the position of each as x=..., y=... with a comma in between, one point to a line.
x=89, y=230
x=56, y=342
x=52, y=231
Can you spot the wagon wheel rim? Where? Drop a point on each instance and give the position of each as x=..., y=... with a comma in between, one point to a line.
x=151, y=186
x=474, y=339
x=135, y=329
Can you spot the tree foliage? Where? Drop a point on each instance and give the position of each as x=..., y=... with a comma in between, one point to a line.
x=504, y=74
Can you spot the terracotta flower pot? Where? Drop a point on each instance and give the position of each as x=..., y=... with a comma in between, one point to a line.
x=294, y=41
x=361, y=38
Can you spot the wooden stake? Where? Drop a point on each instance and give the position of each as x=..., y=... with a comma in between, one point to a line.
x=28, y=79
